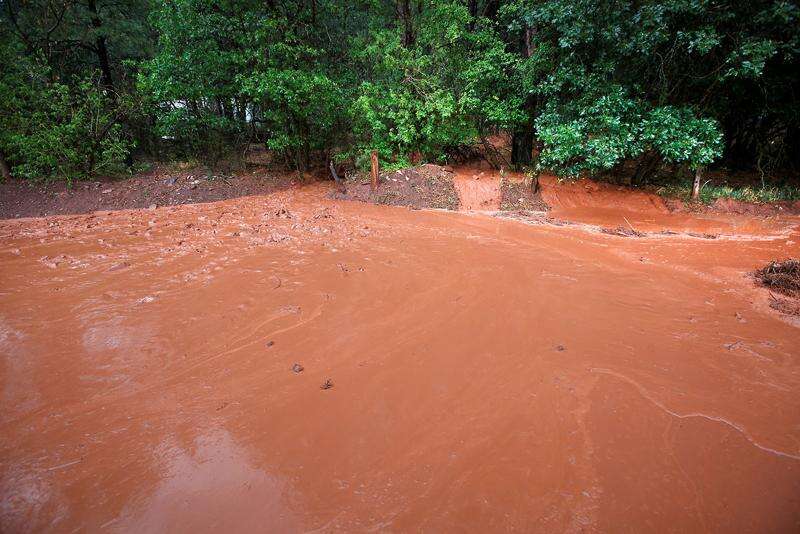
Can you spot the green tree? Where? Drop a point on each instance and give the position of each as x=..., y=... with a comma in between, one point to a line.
x=68, y=98
x=452, y=83
x=228, y=72
x=654, y=81
x=52, y=130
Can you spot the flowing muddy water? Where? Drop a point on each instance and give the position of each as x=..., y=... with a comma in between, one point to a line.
x=487, y=374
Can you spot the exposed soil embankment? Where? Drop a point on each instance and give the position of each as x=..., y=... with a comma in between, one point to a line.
x=634, y=211
x=478, y=189
x=161, y=187
x=426, y=186
x=468, y=187
x=738, y=207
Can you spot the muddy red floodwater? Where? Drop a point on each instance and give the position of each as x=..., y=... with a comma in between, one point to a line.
x=487, y=374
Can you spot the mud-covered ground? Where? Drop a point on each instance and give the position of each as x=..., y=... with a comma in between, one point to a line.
x=162, y=186
x=290, y=362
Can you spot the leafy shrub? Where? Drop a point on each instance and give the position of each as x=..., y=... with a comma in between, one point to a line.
x=49, y=130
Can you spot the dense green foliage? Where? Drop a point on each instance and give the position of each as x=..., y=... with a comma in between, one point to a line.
x=580, y=86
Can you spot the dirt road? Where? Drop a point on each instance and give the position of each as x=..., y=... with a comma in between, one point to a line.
x=487, y=374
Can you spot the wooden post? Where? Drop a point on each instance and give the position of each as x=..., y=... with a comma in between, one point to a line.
x=375, y=170
x=698, y=175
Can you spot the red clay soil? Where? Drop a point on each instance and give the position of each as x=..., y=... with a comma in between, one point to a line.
x=614, y=207
x=163, y=370
x=478, y=188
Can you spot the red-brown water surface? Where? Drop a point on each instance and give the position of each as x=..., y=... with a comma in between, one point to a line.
x=488, y=375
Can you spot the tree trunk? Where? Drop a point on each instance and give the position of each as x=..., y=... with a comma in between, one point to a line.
x=698, y=175
x=101, y=47
x=472, y=5
x=522, y=148
x=522, y=140
x=5, y=171
x=491, y=9
x=404, y=12
x=529, y=35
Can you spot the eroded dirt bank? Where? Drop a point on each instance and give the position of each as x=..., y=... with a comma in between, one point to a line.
x=611, y=206
x=487, y=374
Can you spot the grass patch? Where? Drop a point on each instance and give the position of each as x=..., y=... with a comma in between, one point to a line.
x=711, y=192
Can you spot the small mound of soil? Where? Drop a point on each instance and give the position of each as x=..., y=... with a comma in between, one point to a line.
x=518, y=196
x=781, y=277
x=426, y=186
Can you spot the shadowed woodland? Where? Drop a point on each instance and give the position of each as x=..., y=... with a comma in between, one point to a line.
x=94, y=87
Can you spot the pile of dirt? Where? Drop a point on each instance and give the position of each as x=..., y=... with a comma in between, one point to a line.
x=519, y=196
x=426, y=186
x=160, y=187
x=782, y=277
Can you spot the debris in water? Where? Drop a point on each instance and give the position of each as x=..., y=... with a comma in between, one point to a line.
x=119, y=267
x=782, y=276
x=622, y=232
x=328, y=384
x=733, y=345
x=270, y=343
x=283, y=212
x=297, y=368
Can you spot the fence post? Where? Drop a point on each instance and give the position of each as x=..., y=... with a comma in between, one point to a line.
x=375, y=170
x=698, y=175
